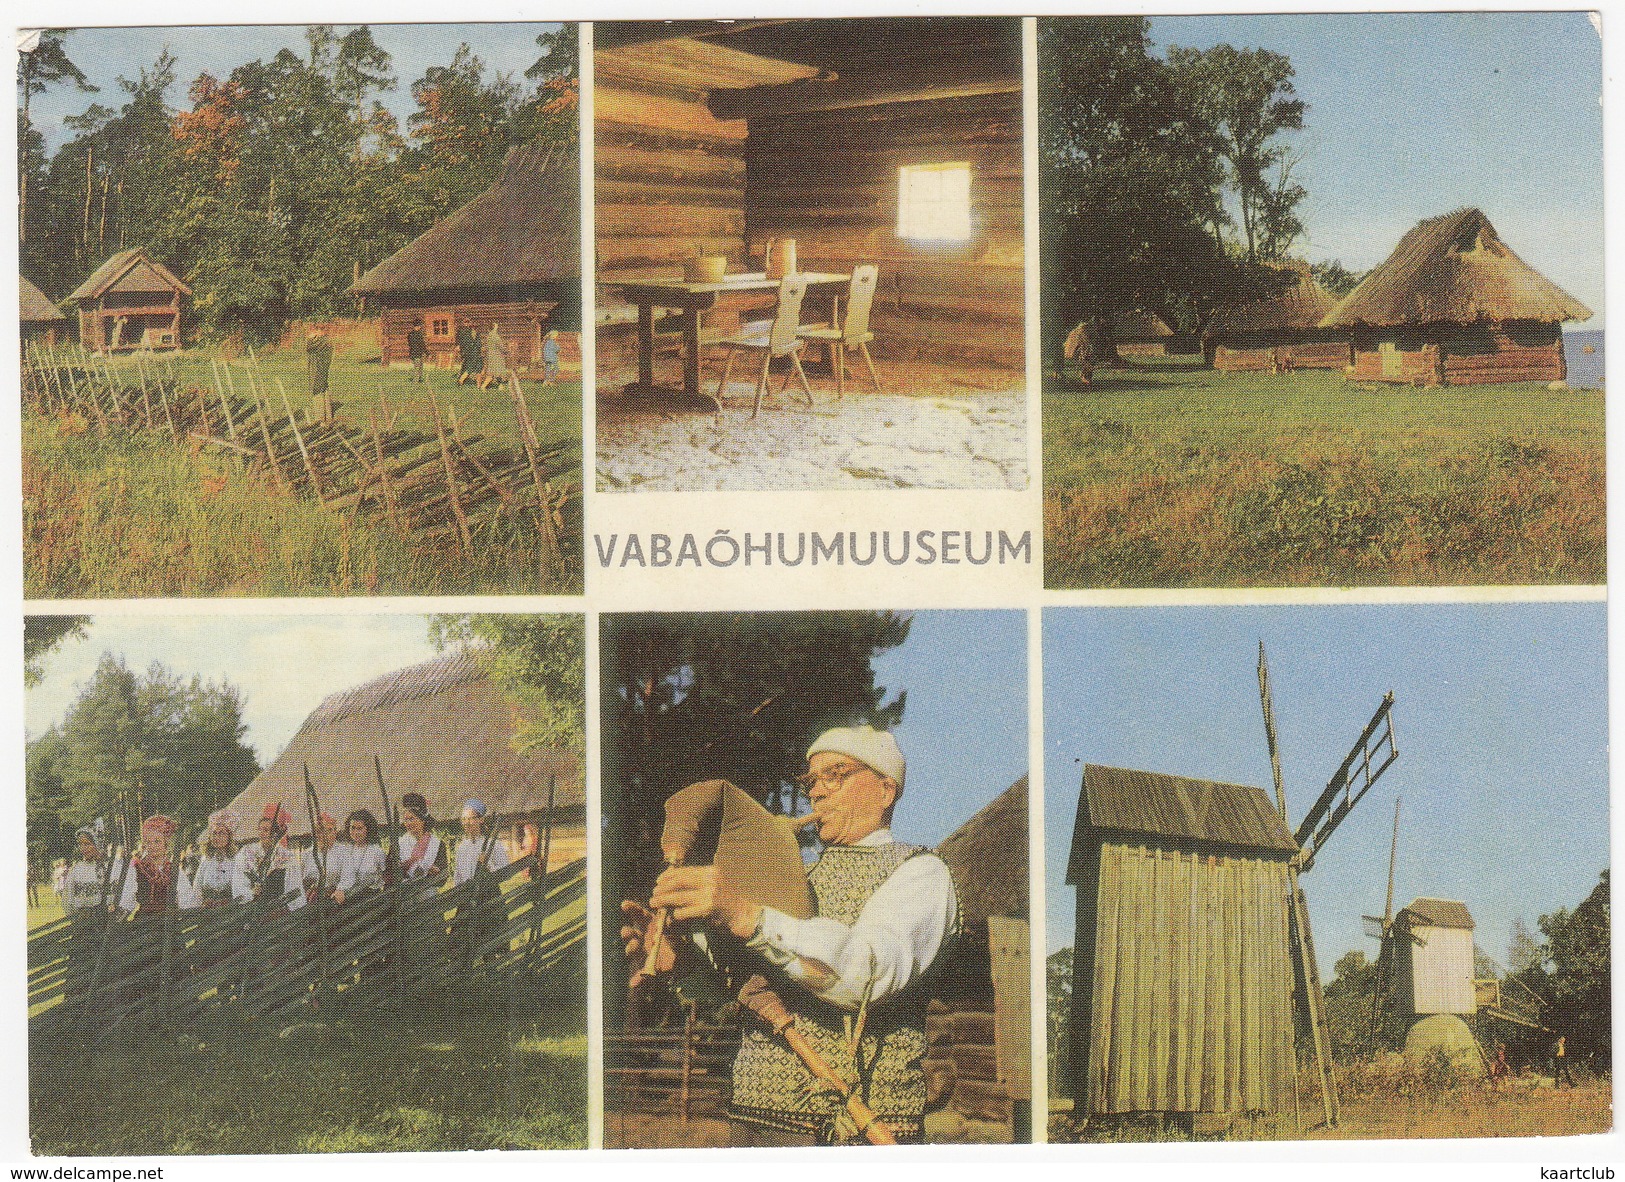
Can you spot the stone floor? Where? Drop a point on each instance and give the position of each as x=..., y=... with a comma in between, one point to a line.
x=956, y=429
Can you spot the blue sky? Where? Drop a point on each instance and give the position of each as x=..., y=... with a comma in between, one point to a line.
x=106, y=54
x=1412, y=115
x=285, y=665
x=1500, y=718
x=964, y=731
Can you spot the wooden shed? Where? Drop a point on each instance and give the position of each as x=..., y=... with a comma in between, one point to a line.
x=510, y=258
x=1143, y=333
x=1182, y=981
x=40, y=319
x=130, y=302
x=1434, y=970
x=441, y=728
x=1280, y=333
x=1453, y=305
x=980, y=1022
x=896, y=142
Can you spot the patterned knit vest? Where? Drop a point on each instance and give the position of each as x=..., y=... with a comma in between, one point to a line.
x=772, y=1087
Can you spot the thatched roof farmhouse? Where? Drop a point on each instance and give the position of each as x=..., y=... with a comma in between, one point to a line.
x=441, y=728
x=1281, y=332
x=511, y=257
x=1454, y=305
x=38, y=315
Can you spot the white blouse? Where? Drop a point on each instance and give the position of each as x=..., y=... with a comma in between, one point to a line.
x=424, y=866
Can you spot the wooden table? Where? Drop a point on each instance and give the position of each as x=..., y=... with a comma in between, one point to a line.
x=690, y=299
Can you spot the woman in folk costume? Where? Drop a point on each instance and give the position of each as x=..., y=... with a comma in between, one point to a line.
x=421, y=853
x=358, y=862
x=147, y=886
x=471, y=848
x=87, y=883
x=321, y=863
x=267, y=869
x=214, y=882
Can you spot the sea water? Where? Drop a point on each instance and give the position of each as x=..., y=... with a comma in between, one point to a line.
x=1585, y=369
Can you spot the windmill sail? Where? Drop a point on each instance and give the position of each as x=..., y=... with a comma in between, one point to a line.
x=1370, y=756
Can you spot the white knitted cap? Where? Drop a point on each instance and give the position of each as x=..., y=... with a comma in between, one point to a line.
x=876, y=749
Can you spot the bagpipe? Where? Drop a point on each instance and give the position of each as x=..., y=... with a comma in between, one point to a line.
x=714, y=823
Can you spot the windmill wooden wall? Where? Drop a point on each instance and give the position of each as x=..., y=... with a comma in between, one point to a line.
x=1435, y=970
x=1182, y=979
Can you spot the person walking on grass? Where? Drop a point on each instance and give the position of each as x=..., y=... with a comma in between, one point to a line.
x=550, y=357
x=417, y=348
x=1560, y=1063
x=495, y=356
x=468, y=355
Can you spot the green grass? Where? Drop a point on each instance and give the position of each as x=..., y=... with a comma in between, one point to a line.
x=132, y=515
x=1167, y=474
x=504, y=1070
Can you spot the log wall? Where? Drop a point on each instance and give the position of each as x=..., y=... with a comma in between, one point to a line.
x=522, y=326
x=1281, y=358
x=829, y=179
x=1467, y=356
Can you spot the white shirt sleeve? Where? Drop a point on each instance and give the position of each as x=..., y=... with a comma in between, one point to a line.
x=899, y=933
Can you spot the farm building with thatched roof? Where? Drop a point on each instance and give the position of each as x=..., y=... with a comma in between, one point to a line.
x=509, y=259
x=130, y=302
x=1453, y=305
x=40, y=318
x=1279, y=333
x=979, y=1061
x=441, y=728
x=1143, y=333
x=1182, y=979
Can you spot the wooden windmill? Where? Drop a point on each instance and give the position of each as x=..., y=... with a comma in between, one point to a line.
x=1371, y=755
x=1388, y=931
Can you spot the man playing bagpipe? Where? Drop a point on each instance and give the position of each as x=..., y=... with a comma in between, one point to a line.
x=834, y=1049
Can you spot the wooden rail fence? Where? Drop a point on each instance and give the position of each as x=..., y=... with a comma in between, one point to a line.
x=683, y=1072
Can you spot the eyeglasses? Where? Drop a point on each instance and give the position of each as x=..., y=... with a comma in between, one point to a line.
x=836, y=777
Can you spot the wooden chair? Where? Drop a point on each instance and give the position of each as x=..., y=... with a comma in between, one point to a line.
x=775, y=339
x=854, y=334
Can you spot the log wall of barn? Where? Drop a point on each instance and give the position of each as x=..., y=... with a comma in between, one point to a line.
x=521, y=324
x=1281, y=357
x=829, y=179
x=1182, y=983
x=1467, y=356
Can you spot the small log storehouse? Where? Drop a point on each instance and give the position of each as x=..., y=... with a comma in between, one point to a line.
x=510, y=258
x=1182, y=979
x=893, y=142
x=441, y=728
x=130, y=302
x=1453, y=305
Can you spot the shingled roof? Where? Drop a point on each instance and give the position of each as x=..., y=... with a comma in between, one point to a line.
x=1118, y=801
x=988, y=857
x=33, y=306
x=1437, y=913
x=131, y=271
x=522, y=231
x=1454, y=270
x=440, y=728
x=1302, y=304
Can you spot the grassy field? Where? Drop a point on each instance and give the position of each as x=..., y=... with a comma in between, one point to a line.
x=1525, y=1109
x=504, y=1071
x=1166, y=474
x=132, y=515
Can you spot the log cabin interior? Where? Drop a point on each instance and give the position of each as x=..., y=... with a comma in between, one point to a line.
x=891, y=142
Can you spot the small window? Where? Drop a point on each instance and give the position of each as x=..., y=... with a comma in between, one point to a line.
x=440, y=328
x=933, y=202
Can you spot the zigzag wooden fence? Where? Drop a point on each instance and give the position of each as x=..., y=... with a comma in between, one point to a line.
x=449, y=489
x=90, y=974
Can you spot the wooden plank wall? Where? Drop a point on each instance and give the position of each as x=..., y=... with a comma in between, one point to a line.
x=830, y=181
x=521, y=325
x=1186, y=984
x=1281, y=357
x=1466, y=359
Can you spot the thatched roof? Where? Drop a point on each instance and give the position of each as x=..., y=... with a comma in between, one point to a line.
x=1140, y=325
x=440, y=728
x=129, y=272
x=522, y=231
x=1118, y=801
x=988, y=857
x=1437, y=913
x=1454, y=270
x=1303, y=304
x=34, y=308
